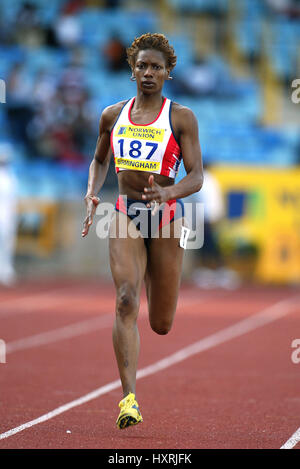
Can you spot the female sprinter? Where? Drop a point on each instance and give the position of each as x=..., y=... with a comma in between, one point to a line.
x=148, y=136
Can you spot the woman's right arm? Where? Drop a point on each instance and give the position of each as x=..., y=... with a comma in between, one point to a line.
x=99, y=165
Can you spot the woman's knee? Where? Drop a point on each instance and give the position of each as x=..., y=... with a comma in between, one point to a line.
x=161, y=327
x=127, y=302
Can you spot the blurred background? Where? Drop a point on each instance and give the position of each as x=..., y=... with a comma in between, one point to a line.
x=62, y=62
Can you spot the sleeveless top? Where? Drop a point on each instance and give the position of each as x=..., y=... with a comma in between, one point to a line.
x=146, y=147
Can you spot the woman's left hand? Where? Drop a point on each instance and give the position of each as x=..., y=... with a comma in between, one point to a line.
x=155, y=193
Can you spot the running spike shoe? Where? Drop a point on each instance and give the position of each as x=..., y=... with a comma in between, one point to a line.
x=130, y=412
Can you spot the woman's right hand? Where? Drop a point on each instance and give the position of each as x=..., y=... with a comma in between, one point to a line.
x=91, y=204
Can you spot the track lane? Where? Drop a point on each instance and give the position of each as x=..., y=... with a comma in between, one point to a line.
x=154, y=344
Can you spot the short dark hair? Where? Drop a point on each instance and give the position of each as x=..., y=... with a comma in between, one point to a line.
x=152, y=41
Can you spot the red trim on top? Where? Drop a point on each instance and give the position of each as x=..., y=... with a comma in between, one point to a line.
x=144, y=125
x=112, y=132
x=168, y=213
x=170, y=157
x=120, y=205
x=112, y=147
x=112, y=141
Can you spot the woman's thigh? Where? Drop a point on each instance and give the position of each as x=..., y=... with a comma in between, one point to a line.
x=128, y=258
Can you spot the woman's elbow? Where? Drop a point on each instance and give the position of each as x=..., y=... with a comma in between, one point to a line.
x=199, y=181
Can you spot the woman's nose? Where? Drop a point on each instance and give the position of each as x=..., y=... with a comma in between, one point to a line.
x=148, y=71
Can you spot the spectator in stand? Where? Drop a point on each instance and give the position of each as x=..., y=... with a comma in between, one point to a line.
x=27, y=29
x=199, y=78
x=18, y=104
x=68, y=30
x=112, y=3
x=63, y=122
x=290, y=8
x=74, y=6
x=115, y=54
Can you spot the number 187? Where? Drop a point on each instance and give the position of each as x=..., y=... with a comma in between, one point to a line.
x=135, y=148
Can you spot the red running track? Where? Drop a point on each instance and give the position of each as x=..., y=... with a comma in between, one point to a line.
x=237, y=387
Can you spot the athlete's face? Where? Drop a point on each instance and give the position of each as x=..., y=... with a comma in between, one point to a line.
x=150, y=71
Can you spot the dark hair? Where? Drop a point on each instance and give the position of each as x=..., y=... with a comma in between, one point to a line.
x=152, y=41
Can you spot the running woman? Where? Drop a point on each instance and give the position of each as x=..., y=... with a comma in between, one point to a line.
x=148, y=136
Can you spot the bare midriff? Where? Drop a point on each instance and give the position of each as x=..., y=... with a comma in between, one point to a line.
x=132, y=183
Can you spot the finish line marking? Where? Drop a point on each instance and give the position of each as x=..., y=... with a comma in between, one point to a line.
x=266, y=316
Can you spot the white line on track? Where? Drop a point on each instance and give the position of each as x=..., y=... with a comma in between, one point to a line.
x=48, y=291
x=29, y=303
x=73, y=330
x=62, y=333
x=266, y=316
x=38, y=302
x=292, y=441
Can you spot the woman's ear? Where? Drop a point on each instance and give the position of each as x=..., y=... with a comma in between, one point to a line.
x=168, y=75
x=132, y=78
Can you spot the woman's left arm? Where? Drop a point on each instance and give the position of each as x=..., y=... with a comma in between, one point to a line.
x=191, y=155
x=187, y=124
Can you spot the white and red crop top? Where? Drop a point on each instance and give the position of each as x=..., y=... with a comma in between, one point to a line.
x=146, y=147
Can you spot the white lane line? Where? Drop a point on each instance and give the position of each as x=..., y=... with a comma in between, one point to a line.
x=53, y=298
x=72, y=330
x=67, y=332
x=29, y=303
x=266, y=316
x=50, y=291
x=33, y=304
x=292, y=441
x=62, y=333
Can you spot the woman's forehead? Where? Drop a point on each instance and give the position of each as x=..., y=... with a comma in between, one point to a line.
x=151, y=55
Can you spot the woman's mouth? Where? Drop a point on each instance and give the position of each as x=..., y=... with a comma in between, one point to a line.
x=148, y=84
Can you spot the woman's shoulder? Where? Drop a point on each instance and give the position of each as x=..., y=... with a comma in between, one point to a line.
x=111, y=112
x=182, y=114
x=178, y=108
x=113, y=109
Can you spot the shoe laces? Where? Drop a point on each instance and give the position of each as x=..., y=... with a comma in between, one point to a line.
x=128, y=401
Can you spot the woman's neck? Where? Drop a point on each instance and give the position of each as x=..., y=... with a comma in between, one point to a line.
x=148, y=101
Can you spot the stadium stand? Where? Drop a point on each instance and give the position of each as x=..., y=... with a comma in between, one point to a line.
x=52, y=58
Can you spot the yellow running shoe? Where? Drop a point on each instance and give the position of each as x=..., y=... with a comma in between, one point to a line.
x=130, y=412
